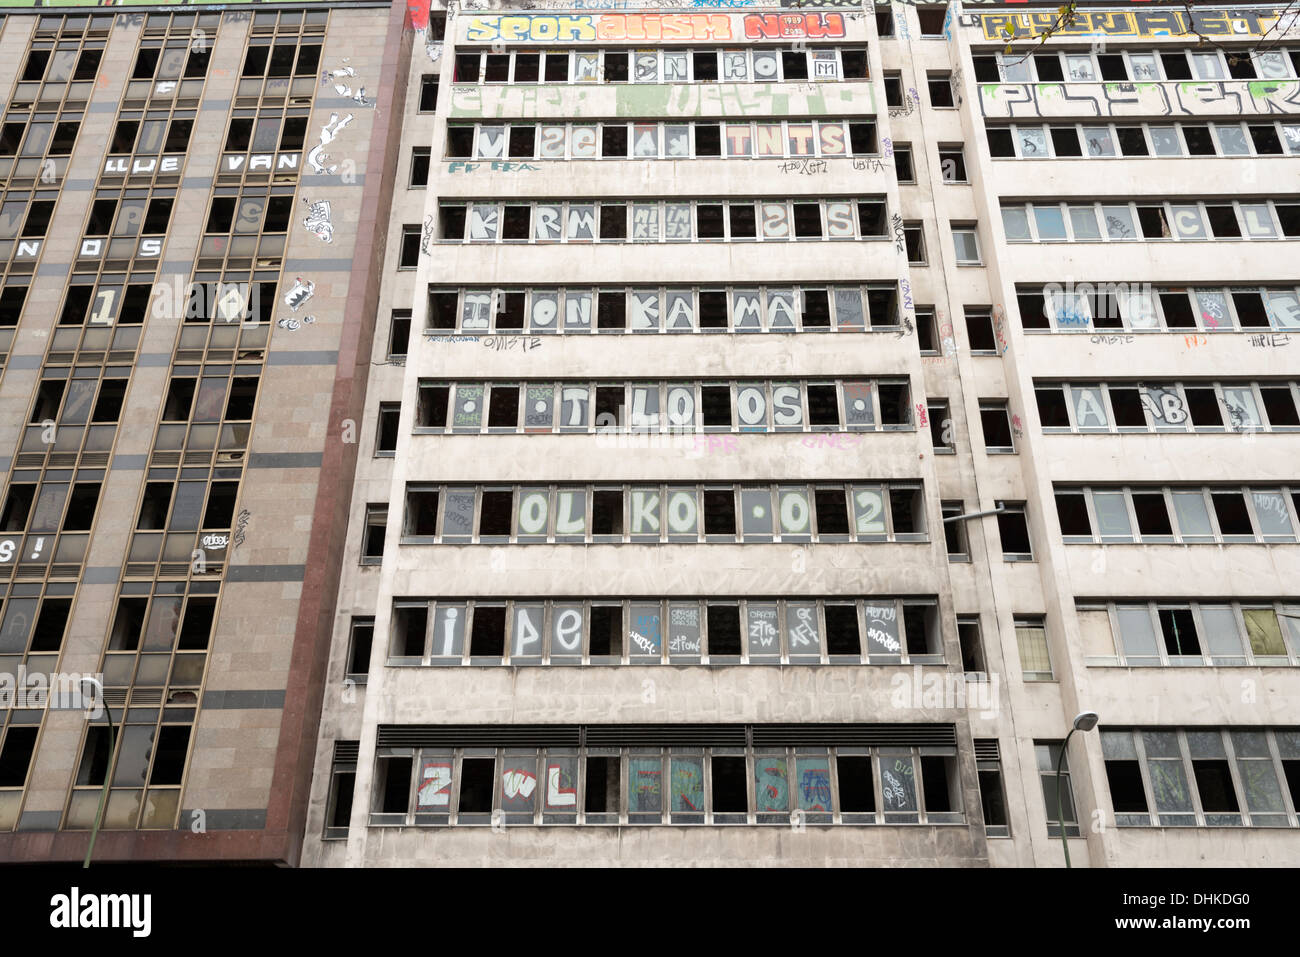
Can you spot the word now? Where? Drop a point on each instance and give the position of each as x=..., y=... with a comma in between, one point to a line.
x=654, y=26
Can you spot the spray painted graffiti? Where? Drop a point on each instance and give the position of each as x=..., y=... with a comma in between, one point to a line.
x=1185, y=98
x=426, y=235
x=293, y=325
x=549, y=28
x=343, y=80
x=661, y=100
x=241, y=525
x=1234, y=24
x=299, y=293
x=318, y=220
x=328, y=133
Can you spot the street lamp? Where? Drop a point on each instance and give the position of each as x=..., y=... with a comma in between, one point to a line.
x=108, y=776
x=1083, y=721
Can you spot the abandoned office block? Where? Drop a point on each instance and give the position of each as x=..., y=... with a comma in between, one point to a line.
x=652, y=432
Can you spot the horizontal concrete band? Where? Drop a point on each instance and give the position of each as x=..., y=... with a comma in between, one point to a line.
x=265, y=573
x=244, y=700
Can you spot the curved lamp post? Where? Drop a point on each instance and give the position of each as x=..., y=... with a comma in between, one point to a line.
x=1083, y=721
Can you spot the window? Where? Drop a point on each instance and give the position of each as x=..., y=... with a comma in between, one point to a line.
x=1056, y=804
x=941, y=430
x=343, y=775
x=1031, y=639
x=399, y=334
x=979, y=331
x=893, y=89
x=1013, y=529
x=966, y=243
x=955, y=532
x=372, y=536
x=428, y=93
x=995, y=421
x=914, y=239
x=885, y=23
x=386, y=432
x=932, y=20
x=420, y=166
x=940, y=87
x=972, y=645
x=993, y=799
x=952, y=164
x=409, y=256
x=903, y=163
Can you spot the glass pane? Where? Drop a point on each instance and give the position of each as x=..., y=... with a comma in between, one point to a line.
x=645, y=785
x=1137, y=634
x=814, y=783
x=1232, y=140
x=687, y=784
x=1119, y=222
x=1083, y=220
x=802, y=630
x=1089, y=412
x=898, y=782
x=1274, y=519
x=1112, y=516
x=1243, y=414
x=1164, y=141
x=1263, y=631
x=1015, y=221
x=771, y=783
x=1222, y=636
x=1192, y=514
x=1033, y=142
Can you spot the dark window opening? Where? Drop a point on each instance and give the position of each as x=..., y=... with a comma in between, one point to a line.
x=1279, y=405
x=613, y=221
x=730, y=785
x=1126, y=404
x=50, y=624
x=743, y=221
x=606, y=631
x=708, y=139
x=386, y=432
x=409, y=255
x=1178, y=310
x=442, y=310
x=918, y=628
x=1126, y=793
x=243, y=396
x=81, y=507
x=1214, y=783
x=1132, y=141
x=724, y=630
x=1072, y=509
x=127, y=623
x=934, y=781
x=1223, y=222
x=394, y=779
x=108, y=405
x=709, y=219
x=905, y=510
x=180, y=397
x=363, y=637
x=17, y=506
x=719, y=512
x=1152, y=513
x=1052, y=411
x=376, y=532
x=431, y=412
x=1179, y=631
x=807, y=221
x=996, y=424
x=1013, y=530
x=1265, y=139
x=1065, y=141
x=452, y=222
x=607, y=512
x=154, y=505
x=940, y=86
x=422, y=512
x=1175, y=66
x=488, y=634
x=1199, y=140
x=857, y=793
x=495, y=514
x=794, y=65
x=715, y=405
x=842, y=633
x=410, y=628
x=196, y=625
x=169, y=755
x=399, y=333
x=503, y=407
x=613, y=140
x=832, y=511
x=1230, y=509
x=1112, y=66
x=428, y=94
x=16, y=756
x=1001, y=143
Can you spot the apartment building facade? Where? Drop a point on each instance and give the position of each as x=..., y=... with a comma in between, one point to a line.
x=752, y=486
x=187, y=193
x=652, y=433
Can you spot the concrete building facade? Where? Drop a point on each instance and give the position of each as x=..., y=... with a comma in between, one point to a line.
x=654, y=433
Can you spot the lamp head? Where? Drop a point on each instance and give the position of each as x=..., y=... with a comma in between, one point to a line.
x=1085, y=721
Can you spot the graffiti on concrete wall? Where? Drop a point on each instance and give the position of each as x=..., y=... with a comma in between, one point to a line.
x=1238, y=23
x=1188, y=97
x=346, y=83
x=317, y=158
x=644, y=100
x=318, y=221
x=652, y=27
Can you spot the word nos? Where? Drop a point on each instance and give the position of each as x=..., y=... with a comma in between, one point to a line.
x=74, y=910
x=545, y=28
x=1236, y=24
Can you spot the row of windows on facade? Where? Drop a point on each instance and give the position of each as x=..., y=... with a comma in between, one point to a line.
x=1143, y=307
x=1081, y=66
x=123, y=300
x=1259, y=137
x=1181, y=514
x=675, y=309
x=1045, y=221
x=464, y=514
x=825, y=517
x=569, y=406
x=640, y=631
x=1198, y=634
x=766, y=64
x=626, y=785
x=184, y=24
x=668, y=221
x=655, y=140
x=49, y=507
x=148, y=768
x=1195, y=406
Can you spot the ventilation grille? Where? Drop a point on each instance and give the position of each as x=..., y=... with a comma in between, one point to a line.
x=986, y=749
x=345, y=752
x=666, y=735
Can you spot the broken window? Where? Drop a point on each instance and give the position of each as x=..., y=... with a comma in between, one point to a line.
x=724, y=633
x=372, y=536
x=1013, y=529
x=386, y=430
x=995, y=421
x=941, y=90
